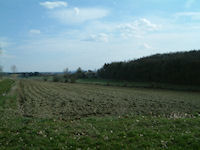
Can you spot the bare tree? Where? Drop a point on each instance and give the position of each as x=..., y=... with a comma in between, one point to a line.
x=13, y=68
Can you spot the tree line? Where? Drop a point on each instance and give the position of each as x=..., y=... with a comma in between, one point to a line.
x=175, y=68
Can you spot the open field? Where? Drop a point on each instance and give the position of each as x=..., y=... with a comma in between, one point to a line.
x=45, y=99
x=48, y=115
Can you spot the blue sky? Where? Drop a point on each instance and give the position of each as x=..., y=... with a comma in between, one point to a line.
x=39, y=35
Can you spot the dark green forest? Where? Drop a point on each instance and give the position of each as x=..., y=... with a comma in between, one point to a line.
x=173, y=68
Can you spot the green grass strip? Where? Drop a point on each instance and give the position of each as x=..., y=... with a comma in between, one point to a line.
x=5, y=86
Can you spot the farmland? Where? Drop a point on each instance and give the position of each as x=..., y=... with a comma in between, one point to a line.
x=44, y=99
x=48, y=115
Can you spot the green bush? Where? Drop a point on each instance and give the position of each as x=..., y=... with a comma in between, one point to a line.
x=56, y=78
x=45, y=79
x=72, y=80
x=66, y=80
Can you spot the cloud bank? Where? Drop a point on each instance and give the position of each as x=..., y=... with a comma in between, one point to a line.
x=52, y=5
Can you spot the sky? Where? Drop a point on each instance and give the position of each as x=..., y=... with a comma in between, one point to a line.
x=48, y=36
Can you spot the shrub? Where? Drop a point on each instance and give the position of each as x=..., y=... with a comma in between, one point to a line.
x=55, y=78
x=66, y=80
x=73, y=80
x=45, y=79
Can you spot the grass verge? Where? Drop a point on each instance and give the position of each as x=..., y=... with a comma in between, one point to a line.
x=107, y=82
x=5, y=86
x=100, y=133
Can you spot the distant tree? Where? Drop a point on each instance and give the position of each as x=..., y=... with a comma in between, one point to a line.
x=1, y=72
x=72, y=79
x=56, y=78
x=13, y=68
x=36, y=74
x=66, y=74
x=175, y=68
x=80, y=73
x=90, y=74
x=1, y=68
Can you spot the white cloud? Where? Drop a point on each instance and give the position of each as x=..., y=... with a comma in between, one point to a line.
x=192, y=15
x=101, y=37
x=146, y=23
x=34, y=31
x=78, y=15
x=106, y=31
x=137, y=28
x=189, y=3
x=52, y=5
x=145, y=46
x=77, y=10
